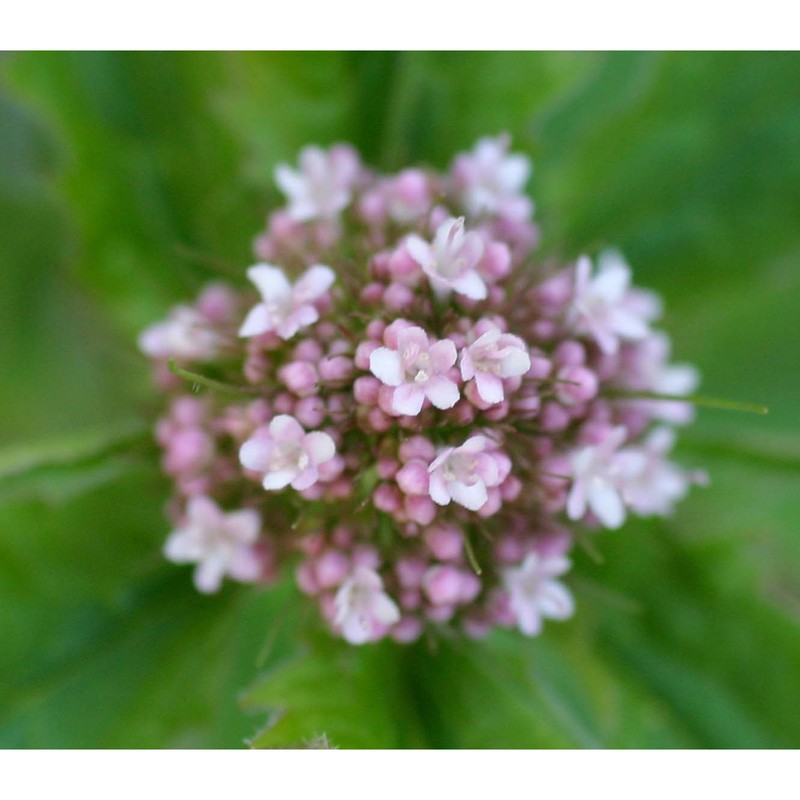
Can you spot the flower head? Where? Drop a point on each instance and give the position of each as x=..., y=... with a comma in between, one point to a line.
x=322, y=187
x=417, y=368
x=286, y=454
x=603, y=306
x=493, y=356
x=534, y=594
x=184, y=335
x=220, y=544
x=490, y=181
x=463, y=474
x=597, y=481
x=285, y=308
x=363, y=610
x=451, y=262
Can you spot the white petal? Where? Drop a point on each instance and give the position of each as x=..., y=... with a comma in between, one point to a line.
x=407, y=400
x=471, y=285
x=555, y=601
x=320, y=446
x=441, y=391
x=208, y=575
x=386, y=366
x=437, y=489
x=605, y=502
x=472, y=497
x=285, y=429
x=255, y=454
x=420, y=251
x=256, y=322
x=312, y=284
x=271, y=282
x=278, y=479
x=489, y=387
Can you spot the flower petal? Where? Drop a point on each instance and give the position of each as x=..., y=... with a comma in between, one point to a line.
x=408, y=399
x=256, y=322
x=320, y=446
x=441, y=391
x=312, y=284
x=271, y=282
x=386, y=366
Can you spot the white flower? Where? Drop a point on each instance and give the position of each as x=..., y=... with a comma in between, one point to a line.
x=322, y=187
x=534, y=594
x=451, y=262
x=491, y=357
x=285, y=308
x=604, y=307
x=363, y=609
x=651, y=483
x=596, y=481
x=463, y=474
x=220, y=544
x=286, y=454
x=417, y=369
x=489, y=180
x=184, y=335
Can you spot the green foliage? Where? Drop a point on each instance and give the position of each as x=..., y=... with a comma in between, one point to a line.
x=127, y=180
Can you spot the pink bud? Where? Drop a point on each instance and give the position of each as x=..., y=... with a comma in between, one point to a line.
x=442, y=584
x=331, y=568
x=365, y=390
x=335, y=369
x=540, y=367
x=386, y=468
x=579, y=385
x=386, y=498
x=417, y=447
x=420, y=509
x=408, y=630
x=410, y=571
x=372, y=294
x=283, y=403
x=401, y=265
x=553, y=417
x=306, y=578
x=398, y=297
x=378, y=421
x=307, y=350
x=496, y=261
x=445, y=542
x=570, y=354
x=310, y=412
x=413, y=478
x=189, y=450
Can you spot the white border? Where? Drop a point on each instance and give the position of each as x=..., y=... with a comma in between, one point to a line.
x=412, y=24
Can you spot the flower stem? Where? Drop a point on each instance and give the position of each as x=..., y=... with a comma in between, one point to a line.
x=695, y=400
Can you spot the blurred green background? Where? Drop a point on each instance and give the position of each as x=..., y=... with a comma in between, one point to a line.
x=125, y=179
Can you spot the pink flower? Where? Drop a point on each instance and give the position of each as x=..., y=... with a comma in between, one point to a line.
x=451, y=262
x=363, y=610
x=416, y=369
x=533, y=593
x=492, y=357
x=464, y=474
x=596, y=481
x=285, y=308
x=490, y=181
x=604, y=308
x=220, y=544
x=323, y=185
x=286, y=454
x=184, y=335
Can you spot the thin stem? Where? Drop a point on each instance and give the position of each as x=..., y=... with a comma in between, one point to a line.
x=695, y=400
x=197, y=380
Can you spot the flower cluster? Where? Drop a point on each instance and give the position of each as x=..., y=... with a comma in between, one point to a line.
x=408, y=408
